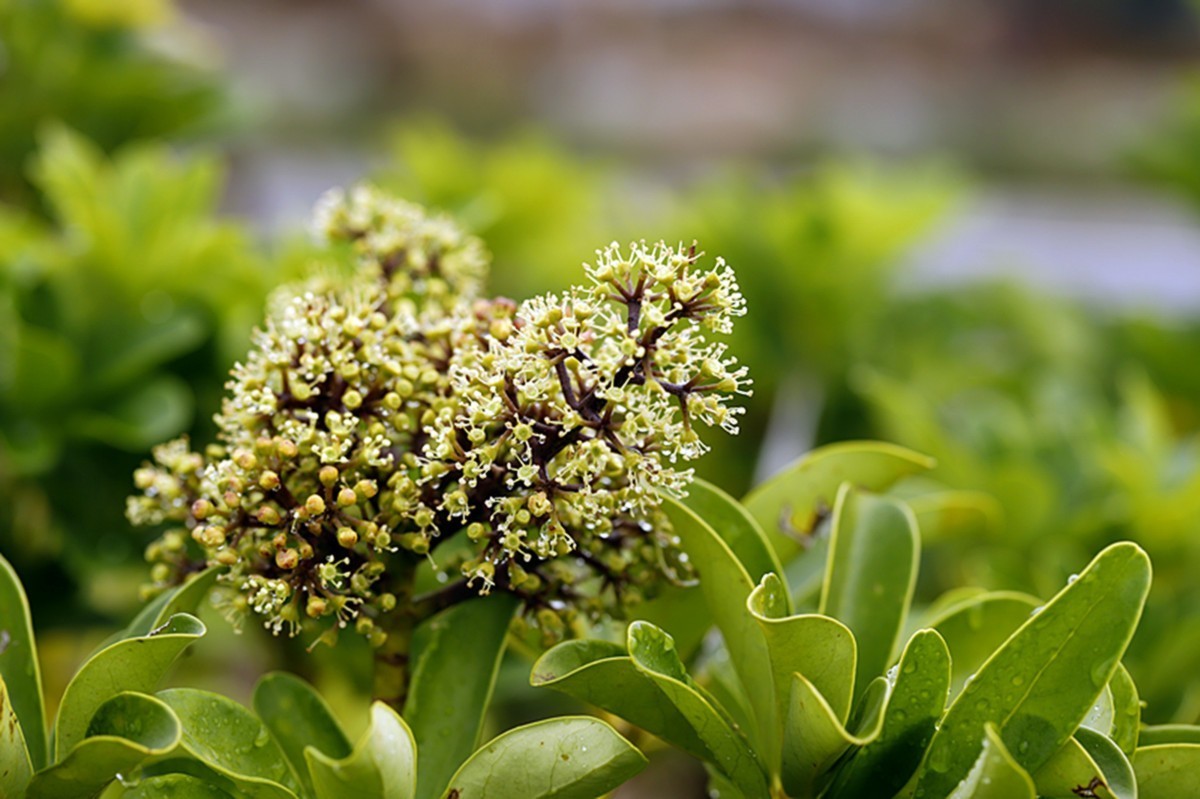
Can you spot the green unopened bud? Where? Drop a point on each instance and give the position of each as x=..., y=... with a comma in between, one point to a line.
x=287, y=558
x=315, y=505
x=346, y=497
x=245, y=459
x=347, y=537
x=352, y=400
x=387, y=602
x=201, y=508
x=328, y=475
x=392, y=401
x=268, y=480
x=366, y=488
x=476, y=531
x=226, y=557
x=286, y=448
x=414, y=542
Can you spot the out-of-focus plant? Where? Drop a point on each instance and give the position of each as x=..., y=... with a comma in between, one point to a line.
x=538, y=205
x=117, y=314
x=91, y=65
x=1022, y=397
x=1170, y=156
x=820, y=250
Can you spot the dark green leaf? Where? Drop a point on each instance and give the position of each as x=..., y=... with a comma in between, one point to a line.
x=994, y=773
x=456, y=656
x=297, y=717
x=918, y=699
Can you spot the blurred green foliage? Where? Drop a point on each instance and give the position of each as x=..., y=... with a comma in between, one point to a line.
x=120, y=314
x=92, y=65
x=817, y=253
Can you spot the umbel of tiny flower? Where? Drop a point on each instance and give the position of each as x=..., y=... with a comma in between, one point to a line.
x=379, y=416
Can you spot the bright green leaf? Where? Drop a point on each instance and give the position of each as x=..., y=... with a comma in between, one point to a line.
x=1127, y=710
x=19, y=665
x=1167, y=771
x=564, y=758
x=297, y=717
x=456, y=656
x=1041, y=684
x=15, y=769
x=653, y=653
x=726, y=587
x=820, y=648
x=1073, y=767
x=602, y=674
x=882, y=767
x=185, y=598
x=871, y=574
x=134, y=664
x=814, y=738
x=382, y=766
x=976, y=627
x=126, y=731
x=739, y=530
x=1160, y=734
x=994, y=774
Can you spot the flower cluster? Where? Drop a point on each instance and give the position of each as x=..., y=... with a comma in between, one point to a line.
x=377, y=417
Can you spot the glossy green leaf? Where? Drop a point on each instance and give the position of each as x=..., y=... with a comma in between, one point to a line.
x=15, y=768
x=456, y=656
x=382, y=766
x=298, y=717
x=185, y=598
x=814, y=738
x=1127, y=711
x=173, y=786
x=653, y=653
x=563, y=758
x=871, y=574
x=789, y=504
x=1167, y=771
x=1074, y=767
x=228, y=739
x=994, y=773
x=820, y=648
x=126, y=731
x=1159, y=734
x=882, y=767
x=602, y=674
x=976, y=627
x=1100, y=717
x=134, y=664
x=739, y=530
x=726, y=587
x=19, y=665
x=1114, y=764
x=1041, y=684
